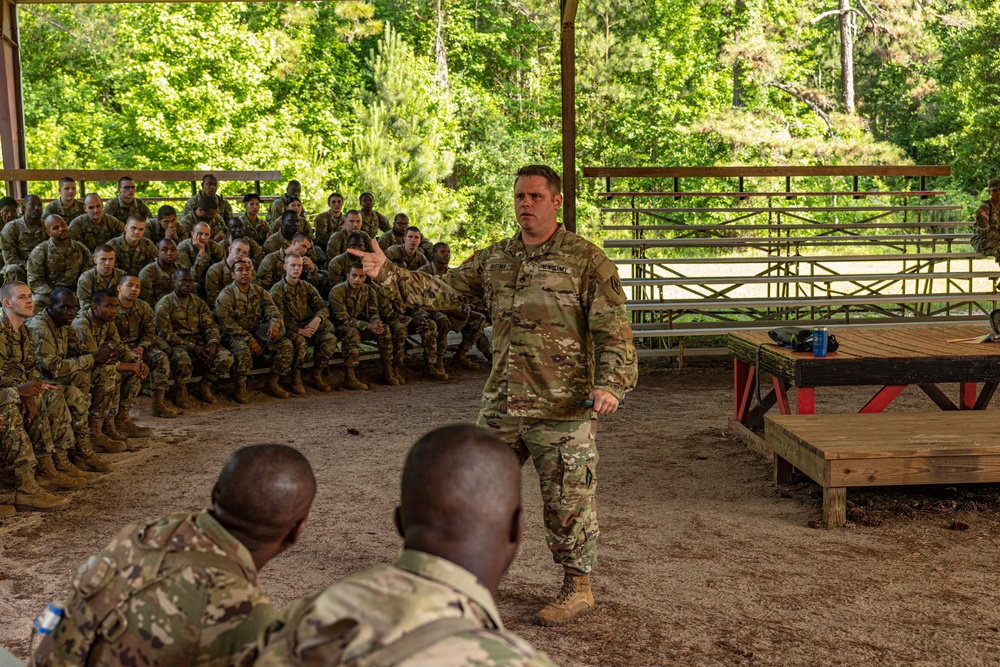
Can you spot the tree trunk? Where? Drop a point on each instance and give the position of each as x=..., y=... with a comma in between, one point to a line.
x=847, y=55
x=740, y=9
x=440, y=53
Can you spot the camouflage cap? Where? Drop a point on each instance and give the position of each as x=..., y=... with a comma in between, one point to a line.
x=994, y=184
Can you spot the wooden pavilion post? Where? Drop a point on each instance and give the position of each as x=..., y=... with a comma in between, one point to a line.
x=567, y=61
x=12, y=108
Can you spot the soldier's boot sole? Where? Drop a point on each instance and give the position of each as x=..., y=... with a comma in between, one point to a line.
x=574, y=600
x=7, y=511
x=92, y=463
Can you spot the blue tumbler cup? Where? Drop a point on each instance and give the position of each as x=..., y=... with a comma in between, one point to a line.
x=821, y=338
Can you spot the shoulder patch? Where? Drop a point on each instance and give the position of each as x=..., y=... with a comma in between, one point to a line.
x=606, y=275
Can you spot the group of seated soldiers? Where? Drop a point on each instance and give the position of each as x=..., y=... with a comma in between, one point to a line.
x=98, y=297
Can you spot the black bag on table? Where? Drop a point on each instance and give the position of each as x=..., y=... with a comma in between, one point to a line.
x=800, y=340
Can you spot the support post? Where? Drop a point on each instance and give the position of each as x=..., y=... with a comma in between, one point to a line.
x=567, y=62
x=12, y=109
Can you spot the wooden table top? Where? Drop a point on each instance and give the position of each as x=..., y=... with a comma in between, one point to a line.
x=883, y=355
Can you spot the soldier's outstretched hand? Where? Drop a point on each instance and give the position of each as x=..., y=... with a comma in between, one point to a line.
x=372, y=261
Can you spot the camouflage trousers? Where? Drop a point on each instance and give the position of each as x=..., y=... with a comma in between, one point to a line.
x=986, y=242
x=14, y=273
x=15, y=447
x=280, y=351
x=430, y=341
x=131, y=385
x=53, y=427
x=565, y=457
x=323, y=342
x=183, y=367
x=471, y=329
x=350, y=344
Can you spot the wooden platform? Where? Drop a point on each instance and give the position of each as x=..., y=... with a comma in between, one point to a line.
x=839, y=451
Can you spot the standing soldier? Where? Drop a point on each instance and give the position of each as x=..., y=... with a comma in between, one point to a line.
x=67, y=206
x=372, y=222
x=328, y=222
x=57, y=262
x=185, y=323
x=252, y=327
x=462, y=320
x=133, y=250
x=409, y=252
x=307, y=324
x=986, y=239
x=19, y=237
x=137, y=330
x=198, y=253
x=354, y=309
x=102, y=276
x=338, y=240
x=256, y=225
x=209, y=188
x=95, y=226
x=126, y=204
x=165, y=227
x=278, y=206
x=157, y=278
x=556, y=300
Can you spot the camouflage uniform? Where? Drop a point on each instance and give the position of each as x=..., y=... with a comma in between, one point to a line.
x=52, y=429
x=324, y=226
x=15, y=446
x=188, y=257
x=252, y=233
x=337, y=244
x=399, y=318
x=17, y=240
x=182, y=324
x=355, y=617
x=132, y=259
x=67, y=213
x=224, y=208
x=155, y=283
x=412, y=262
x=277, y=209
x=986, y=238
x=217, y=278
x=373, y=223
x=278, y=242
x=91, y=282
x=245, y=316
x=551, y=308
x=389, y=239
x=82, y=229
x=188, y=221
x=272, y=269
x=155, y=233
x=51, y=266
x=298, y=306
x=201, y=606
x=336, y=271
x=352, y=312
x=137, y=329
x=256, y=251
x=471, y=327
x=94, y=334
x=116, y=208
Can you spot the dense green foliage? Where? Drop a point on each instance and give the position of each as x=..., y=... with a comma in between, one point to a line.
x=430, y=104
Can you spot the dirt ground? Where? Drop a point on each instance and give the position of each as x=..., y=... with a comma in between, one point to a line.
x=701, y=560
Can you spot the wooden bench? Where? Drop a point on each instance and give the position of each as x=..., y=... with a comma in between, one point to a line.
x=884, y=449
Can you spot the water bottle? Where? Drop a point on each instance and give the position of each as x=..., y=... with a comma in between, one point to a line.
x=48, y=620
x=821, y=338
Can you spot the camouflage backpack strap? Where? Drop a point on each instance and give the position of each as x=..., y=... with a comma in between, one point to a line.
x=414, y=641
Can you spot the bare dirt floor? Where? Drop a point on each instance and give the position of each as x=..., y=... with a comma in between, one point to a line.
x=702, y=561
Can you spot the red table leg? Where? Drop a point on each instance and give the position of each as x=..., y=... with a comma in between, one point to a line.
x=781, y=392
x=883, y=398
x=743, y=380
x=805, y=400
x=967, y=397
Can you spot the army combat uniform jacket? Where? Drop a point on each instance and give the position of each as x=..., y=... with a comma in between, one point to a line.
x=17, y=240
x=337, y=244
x=91, y=282
x=354, y=309
x=92, y=234
x=67, y=213
x=986, y=238
x=51, y=266
x=155, y=283
x=551, y=308
x=373, y=223
x=373, y=609
x=185, y=322
x=117, y=208
x=410, y=262
x=225, y=209
x=132, y=259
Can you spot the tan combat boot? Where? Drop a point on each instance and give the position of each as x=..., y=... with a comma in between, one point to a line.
x=296, y=386
x=85, y=458
x=124, y=424
x=30, y=497
x=7, y=511
x=316, y=381
x=160, y=406
x=462, y=361
x=574, y=600
x=434, y=373
x=397, y=366
x=100, y=440
x=351, y=381
x=65, y=466
x=203, y=390
x=440, y=366
x=181, y=397
x=272, y=388
x=240, y=394
x=388, y=377
x=51, y=478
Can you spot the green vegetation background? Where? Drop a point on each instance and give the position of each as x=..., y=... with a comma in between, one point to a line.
x=431, y=104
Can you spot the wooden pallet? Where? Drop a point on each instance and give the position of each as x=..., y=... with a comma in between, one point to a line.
x=885, y=449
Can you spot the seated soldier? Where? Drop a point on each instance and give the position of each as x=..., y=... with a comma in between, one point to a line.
x=252, y=327
x=185, y=323
x=165, y=227
x=102, y=276
x=307, y=324
x=397, y=234
x=207, y=213
x=198, y=253
x=278, y=206
x=94, y=227
x=19, y=237
x=256, y=225
x=986, y=239
x=185, y=587
x=336, y=271
x=133, y=251
x=409, y=252
x=57, y=262
x=96, y=329
x=327, y=222
x=354, y=310
x=137, y=330
x=8, y=211
x=87, y=379
x=462, y=320
x=126, y=204
x=157, y=278
x=209, y=188
x=372, y=222
x=67, y=206
x=351, y=225
x=294, y=204
x=434, y=605
x=282, y=238
x=219, y=275
x=272, y=268
x=237, y=229
x=403, y=320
